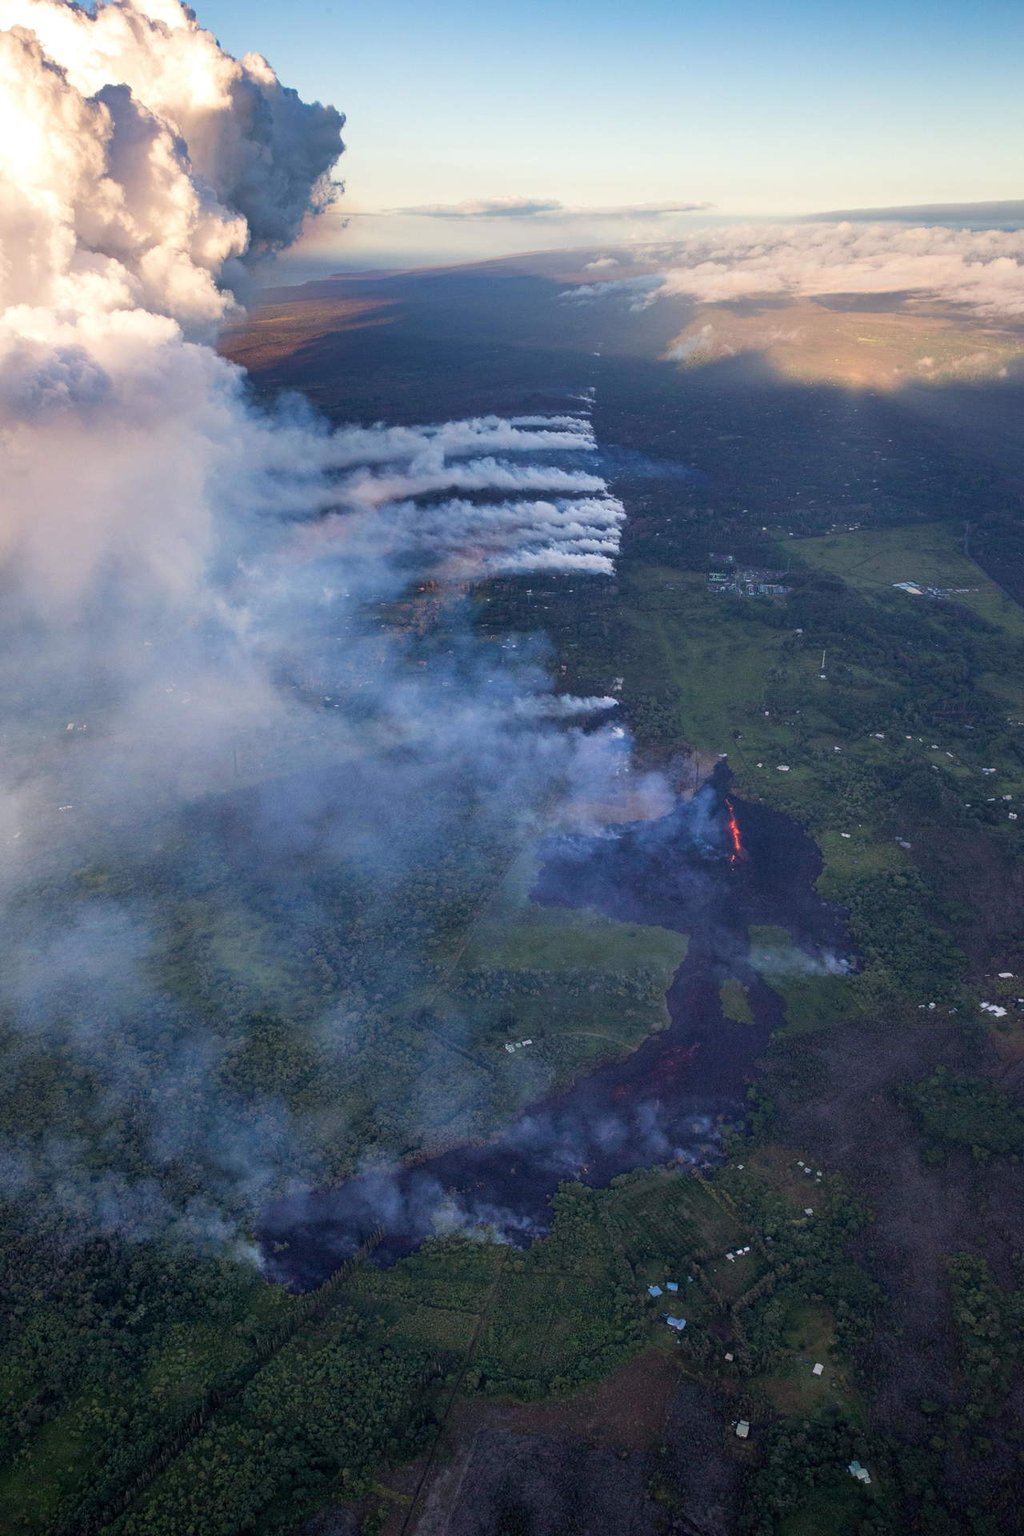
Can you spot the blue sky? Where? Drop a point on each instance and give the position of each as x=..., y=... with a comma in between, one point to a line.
x=756, y=108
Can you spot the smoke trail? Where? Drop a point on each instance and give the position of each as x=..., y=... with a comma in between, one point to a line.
x=470, y=538
x=210, y=728
x=567, y=705
x=431, y=473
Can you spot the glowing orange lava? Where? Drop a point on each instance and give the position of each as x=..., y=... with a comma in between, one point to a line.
x=735, y=836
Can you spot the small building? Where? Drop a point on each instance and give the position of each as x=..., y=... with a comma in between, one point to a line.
x=678, y=1323
x=860, y=1473
x=654, y=1290
x=742, y=1429
x=671, y=1285
x=816, y=1370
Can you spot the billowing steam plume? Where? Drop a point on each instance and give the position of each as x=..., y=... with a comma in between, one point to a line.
x=192, y=598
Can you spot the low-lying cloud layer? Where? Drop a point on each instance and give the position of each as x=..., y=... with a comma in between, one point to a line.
x=983, y=270
x=542, y=208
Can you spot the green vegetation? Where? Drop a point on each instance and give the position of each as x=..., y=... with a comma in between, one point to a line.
x=266, y=1404
x=815, y=997
x=735, y=1003
x=955, y=1112
x=802, y=1487
x=110, y=1352
x=317, y=1421
x=988, y=1321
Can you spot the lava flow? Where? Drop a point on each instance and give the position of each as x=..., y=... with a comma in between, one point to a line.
x=664, y=1102
x=735, y=836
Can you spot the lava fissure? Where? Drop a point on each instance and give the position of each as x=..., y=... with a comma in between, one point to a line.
x=735, y=835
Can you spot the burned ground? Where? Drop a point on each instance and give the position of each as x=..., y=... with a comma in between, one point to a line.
x=645, y=1454
x=921, y=1214
x=535, y=1485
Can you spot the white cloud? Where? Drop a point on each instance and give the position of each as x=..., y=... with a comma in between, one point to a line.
x=982, y=269
x=483, y=208
x=261, y=151
x=542, y=208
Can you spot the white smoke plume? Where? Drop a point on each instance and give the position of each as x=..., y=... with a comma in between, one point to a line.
x=259, y=150
x=464, y=539
x=430, y=473
x=568, y=706
x=190, y=587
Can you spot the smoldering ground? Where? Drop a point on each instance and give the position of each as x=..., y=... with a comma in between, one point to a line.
x=253, y=777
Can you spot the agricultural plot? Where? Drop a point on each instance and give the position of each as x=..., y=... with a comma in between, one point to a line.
x=450, y=1273
x=437, y=1328
x=667, y=1218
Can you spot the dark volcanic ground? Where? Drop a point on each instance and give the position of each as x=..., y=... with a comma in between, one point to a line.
x=549, y=1480
x=921, y=1214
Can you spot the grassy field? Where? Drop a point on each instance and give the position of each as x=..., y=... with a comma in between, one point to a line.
x=735, y=1003
x=579, y=986
x=717, y=669
x=927, y=554
x=809, y=1340
x=839, y=1509
x=558, y=939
